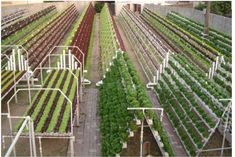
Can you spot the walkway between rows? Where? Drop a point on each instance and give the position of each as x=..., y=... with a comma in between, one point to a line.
x=87, y=135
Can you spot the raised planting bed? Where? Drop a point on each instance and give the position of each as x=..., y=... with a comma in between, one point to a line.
x=51, y=35
x=194, y=55
x=81, y=37
x=108, y=39
x=216, y=39
x=122, y=88
x=49, y=109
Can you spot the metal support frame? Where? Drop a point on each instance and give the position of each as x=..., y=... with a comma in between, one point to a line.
x=44, y=137
x=27, y=70
x=67, y=47
x=74, y=47
x=227, y=109
x=26, y=123
x=142, y=123
x=35, y=89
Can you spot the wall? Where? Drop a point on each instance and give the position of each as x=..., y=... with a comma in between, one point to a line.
x=220, y=23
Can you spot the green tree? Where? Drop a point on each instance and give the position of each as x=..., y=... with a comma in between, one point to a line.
x=222, y=8
x=98, y=6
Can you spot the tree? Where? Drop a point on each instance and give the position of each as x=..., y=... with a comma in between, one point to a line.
x=98, y=6
x=222, y=8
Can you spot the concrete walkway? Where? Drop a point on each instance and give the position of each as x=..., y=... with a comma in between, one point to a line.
x=87, y=135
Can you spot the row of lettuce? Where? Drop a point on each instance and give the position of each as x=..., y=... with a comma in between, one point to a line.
x=121, y=88
x=49, y=110
x=191, y=100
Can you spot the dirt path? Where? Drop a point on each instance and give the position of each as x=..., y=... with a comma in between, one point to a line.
x=87, y=135
x=87, y=138
x=94, y=74
x=131, y=53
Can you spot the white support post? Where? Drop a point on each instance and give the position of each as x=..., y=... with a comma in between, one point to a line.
x=64, y=59
x=216, y=62
x=40, y=145
x=72, y=63
x=76, y=65
x=224, y=133
x=14, y=60
x=222, y=59
x=61, y=61
x=72, y=146
x=19, y=61
x=16, y=98
x=9, y=66
x=69, y=58
x=12, y=146
x=28, y=82
x=142, y=123
x=32, y=138
x=141, y=137
x=213, y=70
x=209, y=74
x=49, y=62
x=154, y=79
x=22, y=62
x=30, y=141
x=160, y=68
x=25, y=65
x=41, y=73
x=167, y=58
x=11, y=62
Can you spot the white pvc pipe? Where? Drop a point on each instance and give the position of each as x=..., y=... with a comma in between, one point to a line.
x=12, y=146
x=216, y=62
x=61, y=62
x=64, y=59
x=72, y=63
x=157, y=75
x=70, y=59
x=11, y=60
x=19, y=61
x=14, y=60
x=209, y=75
x=160, y=68
x=141, y=138
x=25, y=65
x=22, y=62
x=213, y=70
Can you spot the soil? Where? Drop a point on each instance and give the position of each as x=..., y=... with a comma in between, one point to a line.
x=95, y=67
x=216, y=142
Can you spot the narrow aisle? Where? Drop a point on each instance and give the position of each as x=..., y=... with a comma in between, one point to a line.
x=95, y=68
x=87, y=135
